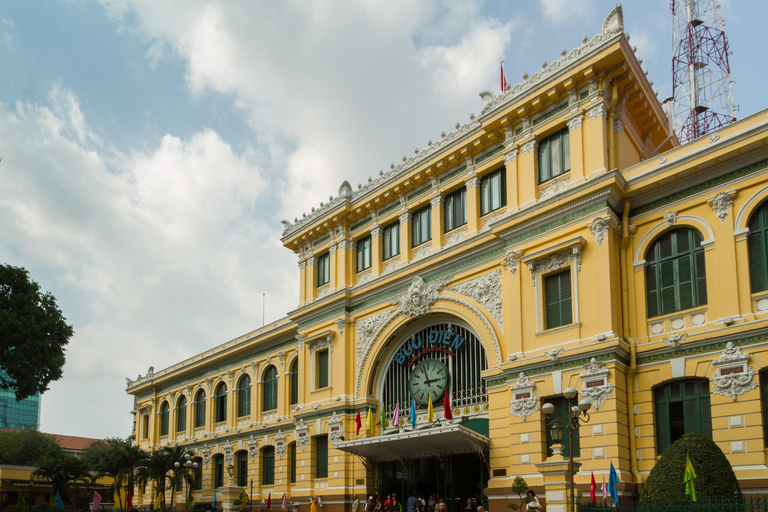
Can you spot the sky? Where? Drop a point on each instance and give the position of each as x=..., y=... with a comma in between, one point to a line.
x=149, y=149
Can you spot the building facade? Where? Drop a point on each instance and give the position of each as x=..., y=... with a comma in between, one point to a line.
x=561, y=239
x=17, y=415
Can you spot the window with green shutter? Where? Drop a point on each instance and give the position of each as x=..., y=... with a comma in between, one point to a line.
x=421, y=226
x=198, y=474
x=561, y=411
x=244, y=397
x=764, y=400
x=493, y=191
x=364, y=254
x=391, y=240
x=200, y=409
x=322, y=369
x=758, y=249
x=455, y=210
x=292, y=462
x=270, y=389
x=295, y=381
x=321, y=457
x=220, y=413
x=165, y=410
x=323, y=269
x=675, y=275
x=218, y=471
x=242, y=468
x=681, y=407
x=557, y=299
x=268, y=465
x=554, y=156
x=181, y=415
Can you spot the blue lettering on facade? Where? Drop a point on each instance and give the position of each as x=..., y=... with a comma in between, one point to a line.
x=412, y=346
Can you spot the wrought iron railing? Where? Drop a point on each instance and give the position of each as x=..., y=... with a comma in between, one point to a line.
x=736, y=503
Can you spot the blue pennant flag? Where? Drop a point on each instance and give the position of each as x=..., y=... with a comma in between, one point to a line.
x=613, y=479
x=214, y=500
x=59, y=503
x=413, y=412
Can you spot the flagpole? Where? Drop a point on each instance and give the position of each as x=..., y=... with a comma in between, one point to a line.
x=250, y=501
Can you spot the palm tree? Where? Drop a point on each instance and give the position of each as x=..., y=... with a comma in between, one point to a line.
x=156, y=470
x=115, y=458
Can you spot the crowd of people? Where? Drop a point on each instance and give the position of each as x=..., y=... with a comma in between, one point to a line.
x=414, y=503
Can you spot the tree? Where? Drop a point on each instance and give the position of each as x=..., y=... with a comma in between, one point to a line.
x=76, y=469
x=115, y=458
x=33, y=334
x=27, y=447
x=714, y=474
x=520, y=487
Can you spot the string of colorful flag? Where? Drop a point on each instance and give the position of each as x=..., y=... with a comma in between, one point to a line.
x=370, y=422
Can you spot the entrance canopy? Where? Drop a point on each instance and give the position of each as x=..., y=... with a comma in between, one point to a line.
x=448, y=440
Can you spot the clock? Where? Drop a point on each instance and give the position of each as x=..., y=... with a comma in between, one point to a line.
x=430, y=376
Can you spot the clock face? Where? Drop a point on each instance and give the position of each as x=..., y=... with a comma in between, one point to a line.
x=428, y=377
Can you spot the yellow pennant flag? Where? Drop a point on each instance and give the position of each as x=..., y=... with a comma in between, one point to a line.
x=158, y=502
x=369, y=421
x=429, y=410
x=243, y=500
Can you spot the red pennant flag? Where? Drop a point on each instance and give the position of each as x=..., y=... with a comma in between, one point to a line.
x=358, y=422
x=592, y=488
x=128, y=500
x=503, y=79
x=447, y=412
x=269, y=500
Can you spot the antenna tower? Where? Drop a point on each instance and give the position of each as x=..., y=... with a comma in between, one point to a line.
x=701, y=76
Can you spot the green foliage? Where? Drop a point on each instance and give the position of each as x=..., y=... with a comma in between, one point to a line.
x=116, y=458
x=42, y=507
x=12, y=508
x=33, y=334
x=520, y=487
x=714, y=475
x=27, y=447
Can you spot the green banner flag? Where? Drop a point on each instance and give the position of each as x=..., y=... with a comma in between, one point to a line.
x=688, y=478
x=21, y=502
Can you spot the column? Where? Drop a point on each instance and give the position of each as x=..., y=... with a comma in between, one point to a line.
x=405, y=236
x=595, y=140
x=512, y=175
x=231, y=402
x=376, y=250
x=437, y=222
x=473, y=204
x=528, y=172
x=727, y=280
x=311, y=278
x=557, y=481
x=334, y=281
x=343, y=268
x=576, y=137
x=302, y=281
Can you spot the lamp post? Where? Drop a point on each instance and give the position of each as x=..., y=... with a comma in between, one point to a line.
x=575, y=416
x=188, y=465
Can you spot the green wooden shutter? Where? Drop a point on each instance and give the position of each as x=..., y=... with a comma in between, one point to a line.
x=652, y=293
x=566, y=309
x=685, y=282
x=322, y=369
x=758, y=261
x=669, y=301
x=662, y=426
x=321, y=454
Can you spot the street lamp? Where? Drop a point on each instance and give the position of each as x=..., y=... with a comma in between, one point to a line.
x=576, y=415
x=188, y=465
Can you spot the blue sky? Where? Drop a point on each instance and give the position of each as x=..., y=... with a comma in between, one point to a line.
x=151, y=148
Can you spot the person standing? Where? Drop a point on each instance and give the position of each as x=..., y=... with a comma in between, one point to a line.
x=533, y=505
x=412, y=505
x=355, y=503
x=314, y=505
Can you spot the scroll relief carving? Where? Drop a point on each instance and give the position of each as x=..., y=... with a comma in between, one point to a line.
x=486, y=290
x=420, y=297
x=455, y=236
x=555, y=262
x=554, y=354
x=721, y=203
x=335, y=432
x=253, y=450
x=524, y=400
x=670, y=218
x=366, y=328
x=596, y=386
x=511, y=261
x=554, y=188
x=206, y=454
x=733, y=377
x=280, y=447
x=599, y=228
x=301, y=435
x=229, y=455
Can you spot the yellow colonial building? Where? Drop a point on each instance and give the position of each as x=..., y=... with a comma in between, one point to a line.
x=561, y=240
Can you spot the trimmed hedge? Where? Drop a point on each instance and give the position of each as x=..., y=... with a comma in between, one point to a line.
x=714, y=475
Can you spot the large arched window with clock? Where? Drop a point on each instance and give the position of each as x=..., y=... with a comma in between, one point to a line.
x=429, y=359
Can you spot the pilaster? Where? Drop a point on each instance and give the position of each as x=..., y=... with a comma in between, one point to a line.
x=376, y=250
x=576, y=136
x=512, y=176
x=438, y=222
x=405, y=237
x=528, y=175
x=473, y=203
x=596, y=142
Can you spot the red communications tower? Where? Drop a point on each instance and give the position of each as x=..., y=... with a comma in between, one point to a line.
x=701, y=76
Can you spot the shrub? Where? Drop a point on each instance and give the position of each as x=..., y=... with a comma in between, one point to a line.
x=12, y=508
x=714, y=475
x=42, y=507
x=520, y=487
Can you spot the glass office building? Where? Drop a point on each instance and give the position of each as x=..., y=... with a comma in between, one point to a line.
x=18, y=415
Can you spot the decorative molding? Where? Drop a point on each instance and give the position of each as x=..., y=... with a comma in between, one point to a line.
x=556, y=262
x=511, y=261
x=675, y=339
x=529, y=146
x=599, y=228
x=524, y=400
x=455, y=236
x=486, y=222
x=364, y=276
x=511, y=156
x=486, y=290
x=253, y=449
x=323, y=290
x=332, y=249
x=405, y=217
x=301, y=435
x=320, y=343
x=670, y=218
x=598, y=111
x=734, y=376
x=420, y=297
x=714, y=137
x=471, y=182
x=554, y=187
x=423, y=251
x=376, y=232
x=392, y=264
x=436, y=201
x=281, y=357
x=299, y=344
x=206, y=454
x=280, y=447
x=596, y=386
x=335, y=431
x=343, y=322
x=229, y=454
x=554, y=354
x=721, y=203
x=366, y=329
x=575, y=122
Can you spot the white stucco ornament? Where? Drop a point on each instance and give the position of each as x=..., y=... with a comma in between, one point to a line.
x=420, y=297
x=524, y=400
x=280, y=446
x=596, y=386
x=733, y=377
x=486, y=290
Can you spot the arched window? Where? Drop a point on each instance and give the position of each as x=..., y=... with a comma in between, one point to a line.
x=218, y=471
x=164, y=413
x=200, y=409
x=764, y=400
x=181, y=414
x=198, y=474
x=682, y=407
x=268, y=465
x=270, y=388
x=758, y=249
x=221, y=403
x=242, y=468
x=295, y=381
x=244, y=396
x=675, y=276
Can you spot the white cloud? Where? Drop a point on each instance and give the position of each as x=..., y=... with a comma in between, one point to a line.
x=561, y=11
